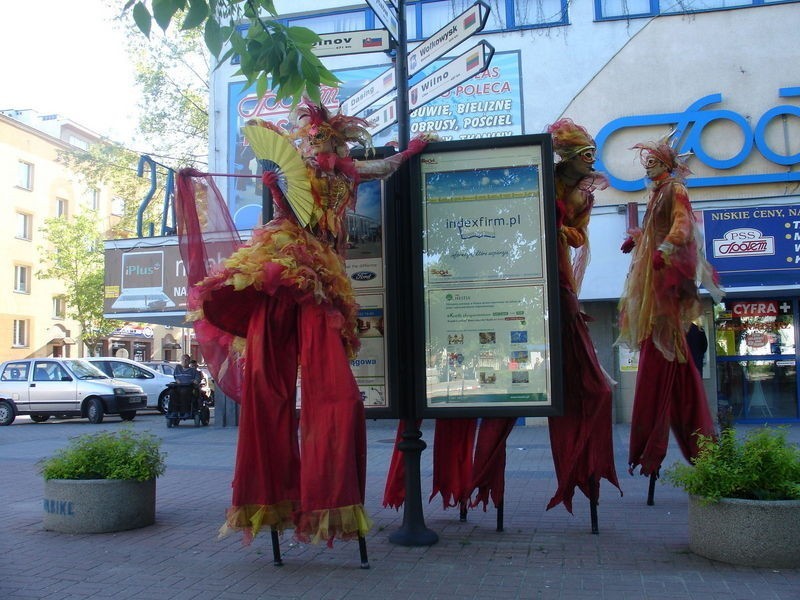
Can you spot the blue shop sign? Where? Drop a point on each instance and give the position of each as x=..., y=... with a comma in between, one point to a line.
x=754, y=246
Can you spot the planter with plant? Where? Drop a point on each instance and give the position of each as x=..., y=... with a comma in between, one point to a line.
x=102, y=482
x=744, y=498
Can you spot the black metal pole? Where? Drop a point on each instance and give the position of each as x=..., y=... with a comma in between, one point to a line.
x=413, y=532
x=651, y=489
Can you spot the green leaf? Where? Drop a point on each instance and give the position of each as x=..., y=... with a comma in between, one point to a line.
x=142, y=18
x=303, y=35
x=261, y=85
x=198, y=11
x=163, y=11
x=212, y=36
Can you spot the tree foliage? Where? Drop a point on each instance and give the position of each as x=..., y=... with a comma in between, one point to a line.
x=74, y=255
x=272, y=55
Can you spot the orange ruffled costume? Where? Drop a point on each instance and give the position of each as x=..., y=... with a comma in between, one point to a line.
x=282, y=303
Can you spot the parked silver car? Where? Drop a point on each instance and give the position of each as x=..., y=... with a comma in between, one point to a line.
x=45, y=387
x=154, y=383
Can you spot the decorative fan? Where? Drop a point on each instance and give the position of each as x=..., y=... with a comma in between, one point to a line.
x=277, y=154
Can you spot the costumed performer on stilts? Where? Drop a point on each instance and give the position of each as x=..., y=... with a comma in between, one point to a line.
x=581, y=439
x=658, y=305
x=287, y=295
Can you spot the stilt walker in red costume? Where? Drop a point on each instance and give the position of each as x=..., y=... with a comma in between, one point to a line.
x=656, y=309
x=285, y=301
x=581, y=439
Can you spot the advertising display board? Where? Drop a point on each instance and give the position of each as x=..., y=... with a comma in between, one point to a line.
x=489, y=279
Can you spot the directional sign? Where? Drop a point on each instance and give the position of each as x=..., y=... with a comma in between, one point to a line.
x=373, y=91
x=468, y=23
x=472, y=62
x=386, y=14
x=382, y=118
x=352, y=42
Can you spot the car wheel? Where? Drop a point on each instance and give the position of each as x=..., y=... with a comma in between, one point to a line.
x=7, y=415
x=39, y=418
x=163, y=402
x=128, y=415
x=95, y=411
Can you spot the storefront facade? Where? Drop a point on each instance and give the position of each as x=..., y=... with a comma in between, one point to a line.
x=629, y=74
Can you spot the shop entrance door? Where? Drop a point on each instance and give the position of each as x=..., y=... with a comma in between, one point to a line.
x=756, y=359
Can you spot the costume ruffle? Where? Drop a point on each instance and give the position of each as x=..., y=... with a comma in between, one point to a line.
x=251, y=518
x=281, y=258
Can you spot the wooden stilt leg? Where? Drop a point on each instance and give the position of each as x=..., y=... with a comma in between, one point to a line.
x=652, y=489
x=362, y=550
x=500, y=517
x=594, y=494
x=276, y=549
x=462, y=513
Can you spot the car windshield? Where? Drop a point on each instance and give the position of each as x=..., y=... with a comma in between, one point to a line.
x=84, y=370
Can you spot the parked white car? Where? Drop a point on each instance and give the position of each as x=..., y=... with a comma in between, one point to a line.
x=154, y=383
x=64, y=387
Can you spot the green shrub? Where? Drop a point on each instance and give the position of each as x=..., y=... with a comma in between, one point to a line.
x=105, y=455
x=762, y=466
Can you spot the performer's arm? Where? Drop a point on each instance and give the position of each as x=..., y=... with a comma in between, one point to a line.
x=680, y=232
x=385, y=167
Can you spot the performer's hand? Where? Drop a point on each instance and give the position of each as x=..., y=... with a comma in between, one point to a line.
x=658, y=260
x=627, y=245
x=270, y=179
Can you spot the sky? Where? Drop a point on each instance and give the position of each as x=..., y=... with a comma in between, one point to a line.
x=68, y=57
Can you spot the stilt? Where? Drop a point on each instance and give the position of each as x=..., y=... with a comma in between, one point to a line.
x=462, y=514
x=500, y=517
x=362, y=550
x=594, y=494
x=652, y=489
x=276, y=549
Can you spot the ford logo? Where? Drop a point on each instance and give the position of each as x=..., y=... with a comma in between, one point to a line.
x=364, y=276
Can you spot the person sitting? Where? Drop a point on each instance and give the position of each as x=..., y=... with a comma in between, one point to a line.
x=188, y=377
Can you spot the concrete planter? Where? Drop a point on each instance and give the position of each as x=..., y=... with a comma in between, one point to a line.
x=755, y=533
x=98, y=505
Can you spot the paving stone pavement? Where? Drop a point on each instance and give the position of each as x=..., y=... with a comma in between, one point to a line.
x=641, y=551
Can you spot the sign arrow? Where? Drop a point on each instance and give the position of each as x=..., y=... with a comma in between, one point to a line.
x=373, y=91
x=352, y=42
x=468, y=23
x=386, y=15
x=458, y=70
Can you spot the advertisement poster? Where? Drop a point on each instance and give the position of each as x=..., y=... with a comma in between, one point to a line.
x=369, y=367
x=486, y=291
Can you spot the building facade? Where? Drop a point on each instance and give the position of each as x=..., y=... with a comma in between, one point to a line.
x=33, y=316
x=725, y=76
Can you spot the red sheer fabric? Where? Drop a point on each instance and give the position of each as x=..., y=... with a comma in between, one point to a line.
x=489, y=465
x=581, y=439
x=453, y=443
x=671, y=394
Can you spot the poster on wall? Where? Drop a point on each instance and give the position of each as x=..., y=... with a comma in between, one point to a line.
x=490, y=289
x=488, y=105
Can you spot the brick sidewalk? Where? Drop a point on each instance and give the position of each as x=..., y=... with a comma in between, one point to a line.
x=641, y=552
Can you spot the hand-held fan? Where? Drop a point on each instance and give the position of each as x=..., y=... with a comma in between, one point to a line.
x=277, y=154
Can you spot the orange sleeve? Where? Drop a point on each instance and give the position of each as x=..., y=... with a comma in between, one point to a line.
x=680, y=233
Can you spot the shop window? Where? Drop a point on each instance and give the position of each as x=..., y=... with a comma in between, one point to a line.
x=756, y=361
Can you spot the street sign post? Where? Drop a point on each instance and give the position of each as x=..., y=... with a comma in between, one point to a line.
x=372, y=92
x=353, y=42
x=468, y=23
x=458, y=70
x=387, y=15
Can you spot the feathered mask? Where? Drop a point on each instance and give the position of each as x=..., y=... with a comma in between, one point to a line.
x=664, y=151
x=570, y=139
x=314, y=125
